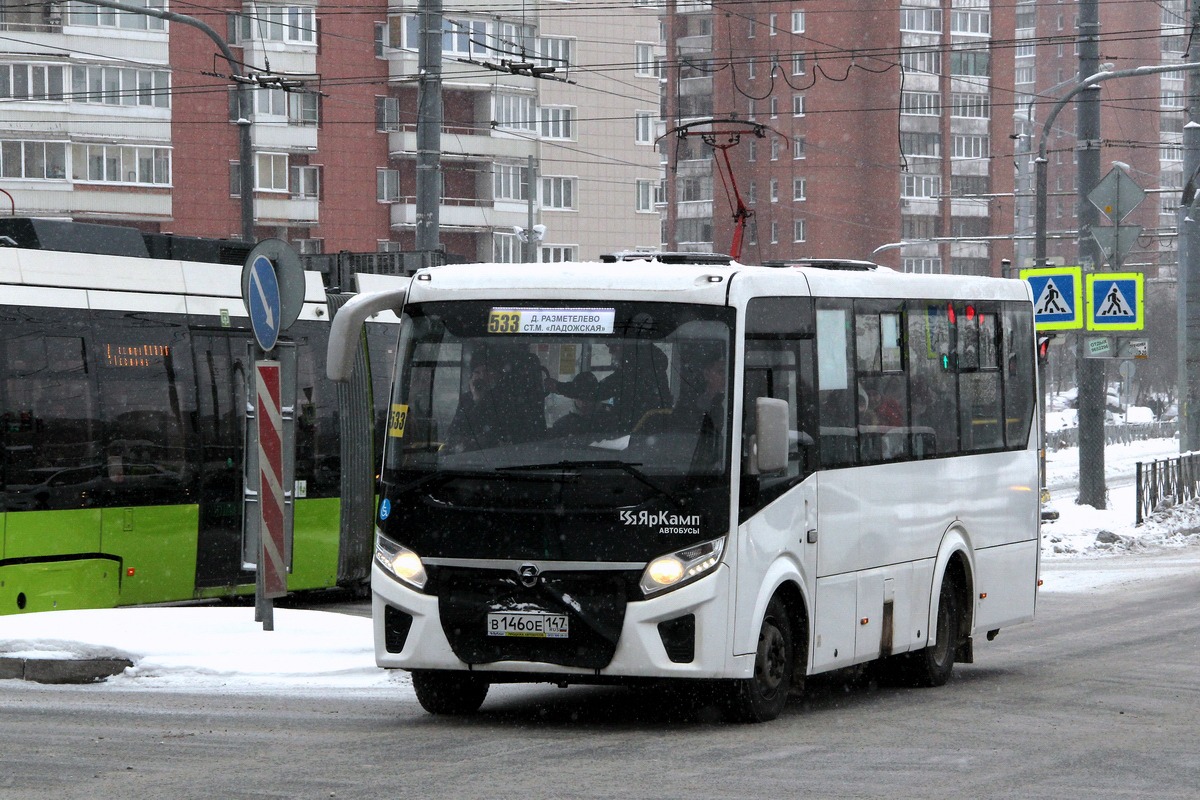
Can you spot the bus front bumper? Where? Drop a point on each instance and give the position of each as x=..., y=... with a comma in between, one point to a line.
x=409, y=635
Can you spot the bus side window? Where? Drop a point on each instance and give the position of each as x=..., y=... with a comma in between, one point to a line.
x=933, y=377
x=838, y=438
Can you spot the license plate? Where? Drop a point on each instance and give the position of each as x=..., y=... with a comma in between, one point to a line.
x=529, y=624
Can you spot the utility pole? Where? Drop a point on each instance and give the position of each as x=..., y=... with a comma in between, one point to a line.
x=1187, y=272
x=429, y=126
x=1091, y=371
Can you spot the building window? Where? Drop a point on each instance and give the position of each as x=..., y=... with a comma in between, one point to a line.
x=381, y=38
x=99, y=163
x=33, y=160
x=558, y=193
x=270, y=102
x=926, y=61
x=918, y=186
x=776, y=146
x=921, y=20
x=978, y=23
x=797, y=105
x=510, y=182
x=798, y=63
x=302, y=109
x=921, y=145
x=113, y=86
x=797, y=22
x=645, y=65
x=82, y=14
x=970, y=105
x=970, y=146
x=306, y=182
x=925, y=266
x=387, y=185
x=798, y=147
x=289, y=24
x=271, y=172
x=973, y=63
x=752, y=193
x=643, y=127
x=387, y=114
x=506, y=248
x=645, y=195
x=921, y=104
x=799, y=189
x=557, y=253
x=774, y=190
x=309, y=247
x=555, y=52
x=515, y=112
x=798, y=230
x=774, y=232
x=773, y=105
x=557, y=122
x=772, y=19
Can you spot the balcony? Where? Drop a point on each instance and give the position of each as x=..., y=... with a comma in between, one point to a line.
x=466, y=143
x=463, y=213
x=282, y=136
x=287, y=210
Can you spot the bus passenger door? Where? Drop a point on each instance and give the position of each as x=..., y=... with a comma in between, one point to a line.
x=777, y=512
x=222, y=371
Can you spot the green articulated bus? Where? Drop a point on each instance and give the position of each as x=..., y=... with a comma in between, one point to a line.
x=123, y=415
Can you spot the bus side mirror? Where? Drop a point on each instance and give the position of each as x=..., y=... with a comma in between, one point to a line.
x=346, y=329
x=770, y=434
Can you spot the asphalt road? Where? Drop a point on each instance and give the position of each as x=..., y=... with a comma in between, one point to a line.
x=1098, y=698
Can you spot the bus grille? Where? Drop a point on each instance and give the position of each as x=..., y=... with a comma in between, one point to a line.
x=594, y=603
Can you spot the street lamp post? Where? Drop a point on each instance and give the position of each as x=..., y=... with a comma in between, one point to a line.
x=245, y=149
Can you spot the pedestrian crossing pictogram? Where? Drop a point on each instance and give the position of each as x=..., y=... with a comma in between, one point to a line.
x=1115, y=301
x=1057, y=297
x=1050, y=301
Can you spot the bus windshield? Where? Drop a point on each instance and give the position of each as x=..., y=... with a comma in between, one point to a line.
x=505, y=406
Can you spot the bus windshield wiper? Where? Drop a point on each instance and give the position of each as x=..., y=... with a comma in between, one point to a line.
x=624, y=466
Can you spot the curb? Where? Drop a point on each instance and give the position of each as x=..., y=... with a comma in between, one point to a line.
x=50, y=670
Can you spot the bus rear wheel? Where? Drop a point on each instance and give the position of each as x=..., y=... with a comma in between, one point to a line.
x=762, y=697
x=451, y=693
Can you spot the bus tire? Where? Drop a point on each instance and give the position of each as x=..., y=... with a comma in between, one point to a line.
x=762, y=697
x=932, y=665
x=451, y=693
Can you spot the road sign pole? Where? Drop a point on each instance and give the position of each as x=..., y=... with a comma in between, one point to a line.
x=272, y=564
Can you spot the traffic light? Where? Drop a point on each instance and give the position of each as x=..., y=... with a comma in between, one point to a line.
x=1043, y=349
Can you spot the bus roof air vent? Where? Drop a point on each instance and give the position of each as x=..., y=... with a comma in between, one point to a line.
x=666, y=257
x=848, y=264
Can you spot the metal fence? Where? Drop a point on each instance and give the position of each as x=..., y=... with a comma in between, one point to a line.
x=1113, y=434
x=1162, y=484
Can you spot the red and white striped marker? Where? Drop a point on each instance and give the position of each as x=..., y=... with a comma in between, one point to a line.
x=270, y=480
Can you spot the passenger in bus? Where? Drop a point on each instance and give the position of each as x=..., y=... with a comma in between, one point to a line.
x=473, y=426
x=637, y=385
x=589, y=417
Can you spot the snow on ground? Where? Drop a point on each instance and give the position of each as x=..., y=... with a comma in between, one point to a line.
x=197, y=648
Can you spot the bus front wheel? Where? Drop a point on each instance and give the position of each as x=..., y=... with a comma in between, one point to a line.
x=449, y=692
x=932, y=666
x=761, y=698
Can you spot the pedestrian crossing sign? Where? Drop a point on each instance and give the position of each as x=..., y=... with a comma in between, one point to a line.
x=1115, y=301
x=1057, y=297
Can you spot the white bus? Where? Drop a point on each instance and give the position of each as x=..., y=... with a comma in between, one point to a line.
x=739, y=476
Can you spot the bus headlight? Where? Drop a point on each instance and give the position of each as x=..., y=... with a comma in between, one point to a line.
x=402, y=563
x=683, y=566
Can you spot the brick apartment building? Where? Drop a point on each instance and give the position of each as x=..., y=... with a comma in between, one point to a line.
x=126, y=118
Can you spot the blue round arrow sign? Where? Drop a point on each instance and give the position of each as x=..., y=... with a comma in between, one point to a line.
x=262, y=301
